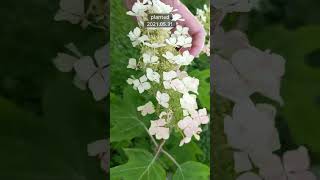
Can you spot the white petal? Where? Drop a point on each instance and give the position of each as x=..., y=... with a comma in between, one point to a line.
x=146, y=85
x=143, y=78
x=228, y=82
x=296, y=160
x=270, y=164
x=234, y=133
x=241, y=162
x=64, y=62
x=85, y=68
x=259, y=70
x=101, y=56
x=79, y=83
x=98, y=87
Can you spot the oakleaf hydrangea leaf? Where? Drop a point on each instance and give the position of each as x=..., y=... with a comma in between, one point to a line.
x=192, y=170
x=124, y=117
x=140, y=166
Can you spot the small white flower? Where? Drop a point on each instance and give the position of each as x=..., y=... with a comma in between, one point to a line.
x=201, y=116
x=206, y=49
x=136, y=38
x=158, y=128
x=72, y=11
x=206, y=8
x=153, y=76
x=227, y=43
x=141, y=84
x=181, y=30
x=261, y=70
x=185, y=140
x=130, y=80
x=163, y=99
x=178, y=85
x=146, y=109
x=185, y=59
x=190, y=128
x=177, y=17
x=138, y=9
x=172, y=41
x=294, y=165
x=182, y=74
x=160, y=7
x=150, y=59
x=184, y=41
x=228, y=82
x=94, y=73
x=132, y=64
x=191, y=84
x=189, y=102
x=167, y=78
x=169, y=56
x=201, y=15
x=251, y=127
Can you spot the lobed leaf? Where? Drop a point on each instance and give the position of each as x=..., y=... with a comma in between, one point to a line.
x=192, y=170
x=140, y=166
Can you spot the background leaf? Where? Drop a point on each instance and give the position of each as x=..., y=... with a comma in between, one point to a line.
x=191, y=171
x=125, y=119
x=138, y=167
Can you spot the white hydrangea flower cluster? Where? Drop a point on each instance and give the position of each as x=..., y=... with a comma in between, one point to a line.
x=240, y=71
x=203, y=15
x=160, y=75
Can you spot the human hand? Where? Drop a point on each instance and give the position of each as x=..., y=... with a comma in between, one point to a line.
x=196, y=30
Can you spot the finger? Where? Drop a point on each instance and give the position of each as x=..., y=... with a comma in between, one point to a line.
x=196, y=30
x=198, y=40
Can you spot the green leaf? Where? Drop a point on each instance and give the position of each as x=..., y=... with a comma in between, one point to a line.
x=192, y=170
x=125, y=120
x=120, y=45
x=204, y=87
x=140, y=166
x=192, y=149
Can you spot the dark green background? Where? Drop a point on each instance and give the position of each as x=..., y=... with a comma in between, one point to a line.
x=45, y=121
